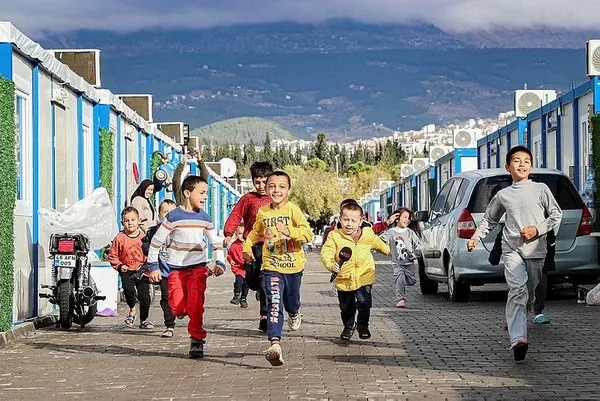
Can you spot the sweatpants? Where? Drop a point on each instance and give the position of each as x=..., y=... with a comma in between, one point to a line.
x=282, y=292
x=262, y=296
x=522, y=277
x=164, y=303
x=540, y=294
x=404, y=275
x=186, y=297
x=240, y=288
x=352, y=301
x=134, y=291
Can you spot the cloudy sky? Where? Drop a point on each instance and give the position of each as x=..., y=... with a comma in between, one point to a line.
x=38, y=16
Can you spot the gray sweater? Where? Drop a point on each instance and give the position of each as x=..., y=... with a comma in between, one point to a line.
x=526, y=203
x=403, y=243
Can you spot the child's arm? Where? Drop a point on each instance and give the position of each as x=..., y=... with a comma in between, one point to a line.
x=113, y=254
x=299, y=230
x=380, y=246
x=328, y=253
x=552, y=210
x=234, y=219
x=253, y=237
x=491, y=217
x=219, y=253
x=158, y=240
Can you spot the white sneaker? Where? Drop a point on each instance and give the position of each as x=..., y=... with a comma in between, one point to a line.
x=294, y=321
x=274, y=355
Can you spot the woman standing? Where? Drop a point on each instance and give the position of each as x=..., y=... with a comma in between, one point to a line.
x=141, y=201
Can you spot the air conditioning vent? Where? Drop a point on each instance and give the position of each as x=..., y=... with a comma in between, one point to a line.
x=466, y=137
x=83, y=62
x=527, y=101
x=419, y=163
x=175, y=131
x=141, y=104
x=593, y=58
x=193, y=143
x=435, y=152
x=406, y=170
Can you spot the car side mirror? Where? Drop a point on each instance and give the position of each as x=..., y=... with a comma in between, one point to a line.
x=422, y=215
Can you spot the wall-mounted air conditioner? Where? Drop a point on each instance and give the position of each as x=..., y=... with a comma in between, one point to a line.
x=435, y=152
x=406, y=170
x=174, y=130
x=527, y=100
x=466, y=137
x=593, y=57
x=419, y=163
x=83, y=62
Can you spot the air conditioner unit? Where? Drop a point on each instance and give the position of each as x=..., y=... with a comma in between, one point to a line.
x=419, y=163
x=406, y=170
x=193, y=143
x=83, y=62
x=527, y=100
x=593, y=57
x=175, y=131
x=385, y=185
x=466, y=137
x=551, y=121
x=435, y=152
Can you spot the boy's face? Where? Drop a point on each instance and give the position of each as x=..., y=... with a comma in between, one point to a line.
x=350, y=220
x=519, y=166
x=239, y=233
x=198, y=196
x=278, y=189
x=260, y=185
x=165, y=209
x=131, y=222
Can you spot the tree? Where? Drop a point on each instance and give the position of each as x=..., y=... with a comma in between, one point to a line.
x=249, y=153
x=267, y=153
x=321, y=147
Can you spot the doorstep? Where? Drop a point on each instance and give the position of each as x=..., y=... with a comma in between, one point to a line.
x=22, y=329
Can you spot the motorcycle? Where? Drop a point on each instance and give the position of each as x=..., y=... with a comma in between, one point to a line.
x=72, y=287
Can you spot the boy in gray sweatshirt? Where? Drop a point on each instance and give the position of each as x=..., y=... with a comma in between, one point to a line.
x=531, y=212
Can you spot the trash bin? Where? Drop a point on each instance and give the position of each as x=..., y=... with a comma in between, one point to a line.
x=106, y=279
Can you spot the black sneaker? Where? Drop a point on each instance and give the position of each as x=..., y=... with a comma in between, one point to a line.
x=363, y=333
x=262, y=325
x=347, y=334
x=520, y=350
x=196, y=349
x=235, y=300
x=243, y=303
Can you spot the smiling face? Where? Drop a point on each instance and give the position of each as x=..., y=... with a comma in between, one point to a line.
x=149, y=191
x=403, y=220
x=131, y=222
x=519, y=166
x=197, y=196
x=350, y=220
x=278, y=189
x=260, y=185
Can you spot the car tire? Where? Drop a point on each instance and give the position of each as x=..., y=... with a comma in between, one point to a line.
x=428, y=286
x=458, y=291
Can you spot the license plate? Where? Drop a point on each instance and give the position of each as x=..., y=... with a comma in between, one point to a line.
x=65, y=260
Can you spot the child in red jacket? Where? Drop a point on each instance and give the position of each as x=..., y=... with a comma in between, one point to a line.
x=235, y=259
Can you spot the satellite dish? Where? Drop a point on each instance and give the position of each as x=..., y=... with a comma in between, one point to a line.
x=228, y=167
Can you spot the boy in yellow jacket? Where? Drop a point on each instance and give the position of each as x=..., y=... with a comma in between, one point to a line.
x=284, y=228
x=357, y=275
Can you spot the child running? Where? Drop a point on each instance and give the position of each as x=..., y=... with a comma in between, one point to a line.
x=357, y=275
x=284, y=227
x=526, y=204
x=236, y=261
x=183, y=231
x=404, y=240
x=126, y=257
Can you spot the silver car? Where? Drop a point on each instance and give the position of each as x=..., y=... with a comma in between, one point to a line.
x=459, y=206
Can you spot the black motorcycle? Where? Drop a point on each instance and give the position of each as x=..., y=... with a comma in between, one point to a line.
x=72, y=288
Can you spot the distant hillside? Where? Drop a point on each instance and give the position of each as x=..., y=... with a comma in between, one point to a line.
x=242, y=130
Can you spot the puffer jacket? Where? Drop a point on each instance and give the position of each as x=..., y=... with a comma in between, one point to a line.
x=359, y=270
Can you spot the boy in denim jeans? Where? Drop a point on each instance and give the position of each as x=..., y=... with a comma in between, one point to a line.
x=526, y=203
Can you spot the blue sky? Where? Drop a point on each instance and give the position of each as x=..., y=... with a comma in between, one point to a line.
x=38, y=16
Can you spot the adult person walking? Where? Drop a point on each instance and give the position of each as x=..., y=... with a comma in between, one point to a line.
x=140, y=199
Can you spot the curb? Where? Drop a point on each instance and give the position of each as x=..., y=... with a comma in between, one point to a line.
x=21, y=330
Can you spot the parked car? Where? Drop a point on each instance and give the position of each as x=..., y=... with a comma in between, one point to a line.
x=460, y=205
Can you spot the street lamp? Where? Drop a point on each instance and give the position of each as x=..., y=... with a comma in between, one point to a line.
x=337, y=168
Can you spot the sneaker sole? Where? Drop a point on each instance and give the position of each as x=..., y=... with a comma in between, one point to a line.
x=274, y=358
x=196, y=355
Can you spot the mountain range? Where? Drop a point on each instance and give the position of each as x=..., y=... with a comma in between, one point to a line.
x=348, y=79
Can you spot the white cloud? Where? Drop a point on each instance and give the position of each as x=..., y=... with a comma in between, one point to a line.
x=36, y=17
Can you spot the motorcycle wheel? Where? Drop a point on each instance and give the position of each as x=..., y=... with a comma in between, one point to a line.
x=65, y=304
x=87, y=316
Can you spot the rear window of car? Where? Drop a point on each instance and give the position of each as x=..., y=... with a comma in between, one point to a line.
x=567, y=197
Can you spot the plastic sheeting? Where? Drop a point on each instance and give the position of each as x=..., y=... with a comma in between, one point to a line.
x=93, y=216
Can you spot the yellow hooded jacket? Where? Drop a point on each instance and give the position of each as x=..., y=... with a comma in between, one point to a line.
x=359, y=270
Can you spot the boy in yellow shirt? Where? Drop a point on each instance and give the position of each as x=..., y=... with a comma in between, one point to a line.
x=284, y=228
x=356, y=276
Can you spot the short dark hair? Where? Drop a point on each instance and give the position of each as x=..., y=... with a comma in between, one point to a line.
x=260, y=169
x=516, y=149
x=129, y=209
x=280, y=173
x=352, y=206
x=190, y=182
x=166, y=202
x=347, y=202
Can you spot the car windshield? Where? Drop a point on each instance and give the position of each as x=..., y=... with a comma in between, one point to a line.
x=567, y=197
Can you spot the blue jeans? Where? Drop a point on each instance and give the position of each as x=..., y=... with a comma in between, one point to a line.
x=522, y=276
x=282, y=291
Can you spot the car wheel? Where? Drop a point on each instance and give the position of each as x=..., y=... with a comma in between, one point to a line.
x=428, y=286
x=458, y=291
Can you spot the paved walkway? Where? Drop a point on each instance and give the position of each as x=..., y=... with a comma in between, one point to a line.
x=434, y=350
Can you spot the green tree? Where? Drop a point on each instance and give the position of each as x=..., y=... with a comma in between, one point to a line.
x=250, y=155
x=267, y=152
x=321, y=147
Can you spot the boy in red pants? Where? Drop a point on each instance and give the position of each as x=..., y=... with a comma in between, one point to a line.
x=184, y=230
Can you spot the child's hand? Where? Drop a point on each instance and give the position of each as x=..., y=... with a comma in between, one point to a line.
x=154, y=277
x=472, y=244
x=248, y=257
x=124, y=268
x=393, y=217
x=335, y=268
x=282, y=228
x=529, y=232
x=226, y=241
x=218, y=270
